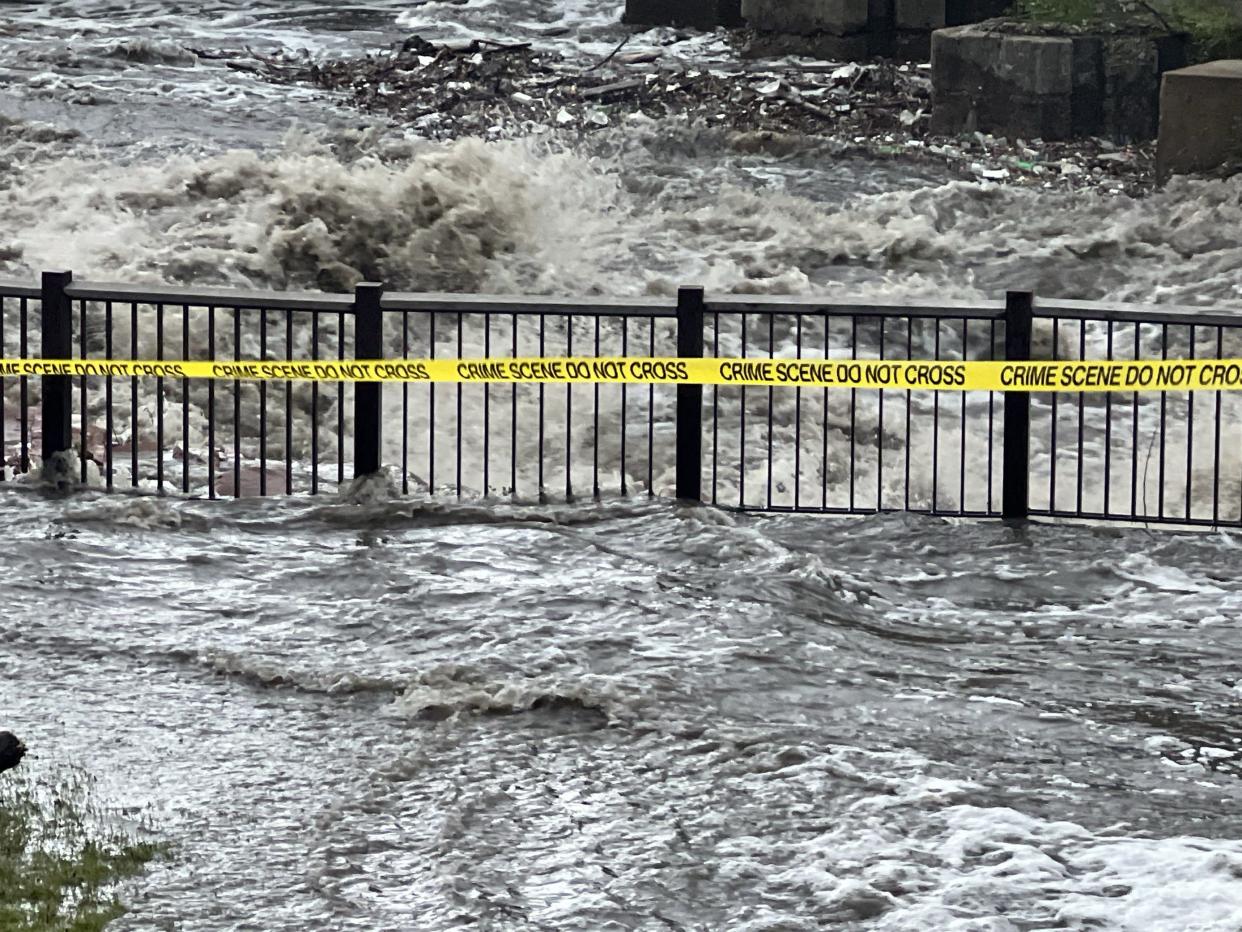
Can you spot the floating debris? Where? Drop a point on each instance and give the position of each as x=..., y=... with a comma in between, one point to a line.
x=881, y=109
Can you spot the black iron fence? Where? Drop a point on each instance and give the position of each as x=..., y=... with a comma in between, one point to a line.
x=1167, y=457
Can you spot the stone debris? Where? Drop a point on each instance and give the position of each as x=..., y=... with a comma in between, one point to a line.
x=879, y=109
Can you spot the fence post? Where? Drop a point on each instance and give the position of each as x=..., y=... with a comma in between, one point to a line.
x=56, y=327
x=1019, y=311
x=690, y=306
x=368, y=396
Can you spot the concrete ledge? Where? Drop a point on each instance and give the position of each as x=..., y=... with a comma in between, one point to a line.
x=919, y=14
x=1200, y=118
x=807, y=17
x=961, y=12
x=825, y=45
x=1009, y=78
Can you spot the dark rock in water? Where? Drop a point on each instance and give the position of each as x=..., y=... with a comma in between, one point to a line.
x=417, y=45
x=11, y=751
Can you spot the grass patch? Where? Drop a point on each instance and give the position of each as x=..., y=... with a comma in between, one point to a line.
x=62, y=855
x=1214, y=26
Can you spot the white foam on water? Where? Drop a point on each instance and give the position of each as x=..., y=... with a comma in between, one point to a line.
x=1142, y=569
x=436, y=219
x=523, y=217
x=1000, y=869
x=541, y=218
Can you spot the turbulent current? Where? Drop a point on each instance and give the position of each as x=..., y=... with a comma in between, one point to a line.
x=636, y=717
x=622, y=715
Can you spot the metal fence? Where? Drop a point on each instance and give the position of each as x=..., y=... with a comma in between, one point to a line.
x=1166, y=457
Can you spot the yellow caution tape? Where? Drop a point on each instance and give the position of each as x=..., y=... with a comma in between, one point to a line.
x=1096, y=376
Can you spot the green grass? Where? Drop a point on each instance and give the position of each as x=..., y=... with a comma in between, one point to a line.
x=1073, y=12
x=1214, y=26
x=62, y=855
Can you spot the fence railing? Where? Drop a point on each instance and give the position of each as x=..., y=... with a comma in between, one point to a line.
x=1169, y=457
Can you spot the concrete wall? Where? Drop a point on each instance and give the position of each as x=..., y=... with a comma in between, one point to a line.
x=807, y=17
x=1200, y=118
x=700, y=14
x=892, y=28
x=834, y=29
x=1048, y=86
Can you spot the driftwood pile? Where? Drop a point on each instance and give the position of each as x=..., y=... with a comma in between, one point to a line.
x=456, y=89
x=881, y=108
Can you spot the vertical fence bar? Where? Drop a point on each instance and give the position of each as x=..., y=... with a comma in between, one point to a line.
x=690, y=308
x=513, y=422
x=368, y=396
x=57, y=331
x=288, y=407
x=651, y=347
x=487, y=409
x=83, y=401
x=935, y=450
x=771, y=401
x=211, y=405
x=108, y=432
x=133, y=399
x=185, y=396
x=23, y=350
x=159, y=402
x=262, y=406
x=853, y=413
x=991, y=421
x=460, y=353
x=1019, y=311
x=625, y=397
x=4, y=444
x=569, y=415
x=405, y=406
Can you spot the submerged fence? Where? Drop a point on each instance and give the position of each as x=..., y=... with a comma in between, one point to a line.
x=1164, y=456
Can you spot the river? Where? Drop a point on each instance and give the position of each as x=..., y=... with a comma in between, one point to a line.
x=615, y=715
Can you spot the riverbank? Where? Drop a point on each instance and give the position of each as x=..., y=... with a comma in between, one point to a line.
x=62, y=855
x=878, y=110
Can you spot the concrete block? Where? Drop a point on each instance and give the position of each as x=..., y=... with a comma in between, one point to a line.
x=1022, y=116
x=919, y=14
x=911, y=45
x=1200, y=118
x=807, y=17
x=1038, y=65
x=1131, y=87
x=1087, y=83
x=963, y=12
x=1008, y=84
x=881, y=16
x=973, y=56
x=698, y=14
x=1051, y=87
x=825, y=45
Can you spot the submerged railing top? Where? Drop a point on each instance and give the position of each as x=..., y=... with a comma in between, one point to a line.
x=646, y=306
x=15, y=289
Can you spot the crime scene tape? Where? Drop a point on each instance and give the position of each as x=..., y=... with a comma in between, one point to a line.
x=1062, y=376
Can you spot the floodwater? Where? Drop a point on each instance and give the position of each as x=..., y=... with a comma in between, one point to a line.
x=617, y=715
x=635, y=716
